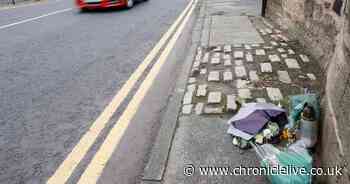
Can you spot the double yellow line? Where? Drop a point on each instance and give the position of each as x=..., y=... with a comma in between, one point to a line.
x=99, y=161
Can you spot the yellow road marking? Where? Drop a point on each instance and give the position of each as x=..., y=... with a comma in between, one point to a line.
x=96, y=166
x=67, y=167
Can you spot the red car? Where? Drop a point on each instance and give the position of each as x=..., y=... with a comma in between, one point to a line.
x=100, y=4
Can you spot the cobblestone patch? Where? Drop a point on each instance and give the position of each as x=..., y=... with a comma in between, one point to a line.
x=214, y=98
x=187, y=109
x=229, y=75
x=240, y=71
x=283, y=76
x=266, y=67
x=292, y=63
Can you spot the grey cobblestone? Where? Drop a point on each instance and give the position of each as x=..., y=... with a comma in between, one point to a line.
x=283, y=76
x=192, y=88
x=240, y=71
x=188, y=98
x=198, y=57
x=228, y=76
x=304, y=58
x=227, y=48
x=217, y=49
x=291, y=51
x=213, y=110
x=260, y=52
x=281, y=50
x=274, y=43
x=241, y=84
x=247, y=47
x=253, y=75
x=194, y=71
x=244, y=93
x=227, y=57
x=274, y=58
x=266, y=67
x=231, y=104
x=238, y=62
x=227, y=62
x=311, y=76
x=215, y=61
x=214, y=76
x=199, y=108
x=292, y=63
x=216, y=55
x=205, y=58
x=202, y=90
x=261, y=100
x=214, y=97
x=203, y=71
x=269, y=31
x=238, y=54
x=249, y=57
x=196, y=64
x=274, y=94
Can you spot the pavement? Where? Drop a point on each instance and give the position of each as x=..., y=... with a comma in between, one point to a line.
x=238, y=57
x=134, y=96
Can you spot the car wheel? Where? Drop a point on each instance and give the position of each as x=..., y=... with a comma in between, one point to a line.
x=129, y=4
x=82, y=10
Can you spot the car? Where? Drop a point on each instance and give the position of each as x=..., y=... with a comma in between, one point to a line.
x=102, y=4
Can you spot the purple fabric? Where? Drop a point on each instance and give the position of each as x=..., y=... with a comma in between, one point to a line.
x=252, y=117
x=253, y=123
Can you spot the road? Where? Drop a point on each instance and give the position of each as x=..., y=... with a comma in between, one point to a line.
x=60, y=68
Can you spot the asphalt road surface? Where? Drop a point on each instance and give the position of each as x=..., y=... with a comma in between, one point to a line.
x=59, y=69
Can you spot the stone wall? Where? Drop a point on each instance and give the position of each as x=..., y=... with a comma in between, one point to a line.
x=323, y=27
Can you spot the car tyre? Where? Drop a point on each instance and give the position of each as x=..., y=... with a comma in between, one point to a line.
x=82, y=10
x=129, y=4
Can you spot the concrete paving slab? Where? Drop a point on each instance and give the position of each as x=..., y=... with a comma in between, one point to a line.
x=196, y=143
x=223, y=31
